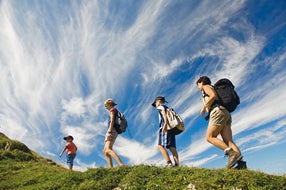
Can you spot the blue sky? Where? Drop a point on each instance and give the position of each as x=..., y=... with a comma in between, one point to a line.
x=59, y=61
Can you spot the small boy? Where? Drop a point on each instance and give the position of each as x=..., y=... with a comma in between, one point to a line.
x=70, y=149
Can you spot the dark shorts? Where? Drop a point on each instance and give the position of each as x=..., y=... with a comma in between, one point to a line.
x=70, y=158
x=167, y=140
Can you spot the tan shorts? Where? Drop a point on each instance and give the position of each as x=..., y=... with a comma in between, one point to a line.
x=220, y=117
x=113, y=136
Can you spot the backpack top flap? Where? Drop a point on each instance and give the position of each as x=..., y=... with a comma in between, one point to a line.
x=224, y=82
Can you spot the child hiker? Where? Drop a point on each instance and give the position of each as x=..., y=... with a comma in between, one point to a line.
x=70, y=149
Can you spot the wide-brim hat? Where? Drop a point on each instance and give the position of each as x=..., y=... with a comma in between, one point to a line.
x=110, y=102
x=68, y=137
x=162, y=98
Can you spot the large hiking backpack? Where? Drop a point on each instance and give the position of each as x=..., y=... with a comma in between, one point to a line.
x=176, y=123
x=228, y=97
x=120, y=122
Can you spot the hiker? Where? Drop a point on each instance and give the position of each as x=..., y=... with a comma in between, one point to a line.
x=167, y=138
x=219, y=122
x=70, y=149
x=111, y=135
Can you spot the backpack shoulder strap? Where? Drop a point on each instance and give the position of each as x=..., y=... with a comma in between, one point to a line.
x=161, y=116
x=204, y=94
x=115, y=111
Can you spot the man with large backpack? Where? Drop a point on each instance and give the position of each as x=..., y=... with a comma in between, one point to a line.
x=220, y=118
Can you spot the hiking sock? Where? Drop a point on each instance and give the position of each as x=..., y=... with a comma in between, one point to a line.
x=226, y=150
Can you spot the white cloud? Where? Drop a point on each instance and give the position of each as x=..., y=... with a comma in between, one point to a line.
x=74, y=107
x=137, y=153
x=200, y=162
x=10, y=127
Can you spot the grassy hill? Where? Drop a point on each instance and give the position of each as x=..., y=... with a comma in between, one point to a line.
x=21, y=168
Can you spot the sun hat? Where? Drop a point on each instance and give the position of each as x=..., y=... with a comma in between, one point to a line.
x=109, y=102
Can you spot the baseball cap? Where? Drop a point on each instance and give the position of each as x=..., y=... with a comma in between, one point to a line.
x=162, y=98
x=68, y=137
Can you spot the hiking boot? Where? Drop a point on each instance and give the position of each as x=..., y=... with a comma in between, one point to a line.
x=169, y=165
x=233, y=158
x=241, y=165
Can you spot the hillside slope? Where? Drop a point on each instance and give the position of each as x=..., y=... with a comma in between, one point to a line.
x=21, y=168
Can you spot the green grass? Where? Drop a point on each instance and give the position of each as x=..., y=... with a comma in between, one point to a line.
x=21, y=168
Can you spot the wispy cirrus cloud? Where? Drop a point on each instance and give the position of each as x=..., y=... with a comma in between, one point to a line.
x=60, y=63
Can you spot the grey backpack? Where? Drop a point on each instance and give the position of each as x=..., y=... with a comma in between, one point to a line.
x=120, y=122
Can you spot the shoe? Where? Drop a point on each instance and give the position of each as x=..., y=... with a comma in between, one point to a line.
x=169, y=165
x=176, y=165
x=233, y=158
x=241, y=165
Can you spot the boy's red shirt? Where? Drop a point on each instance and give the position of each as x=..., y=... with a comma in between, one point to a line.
x=71, y=148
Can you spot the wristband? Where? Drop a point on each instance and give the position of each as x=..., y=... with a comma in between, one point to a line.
x=108, y=131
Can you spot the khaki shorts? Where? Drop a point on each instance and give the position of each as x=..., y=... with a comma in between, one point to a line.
x=113, y=136
x=220, y=117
